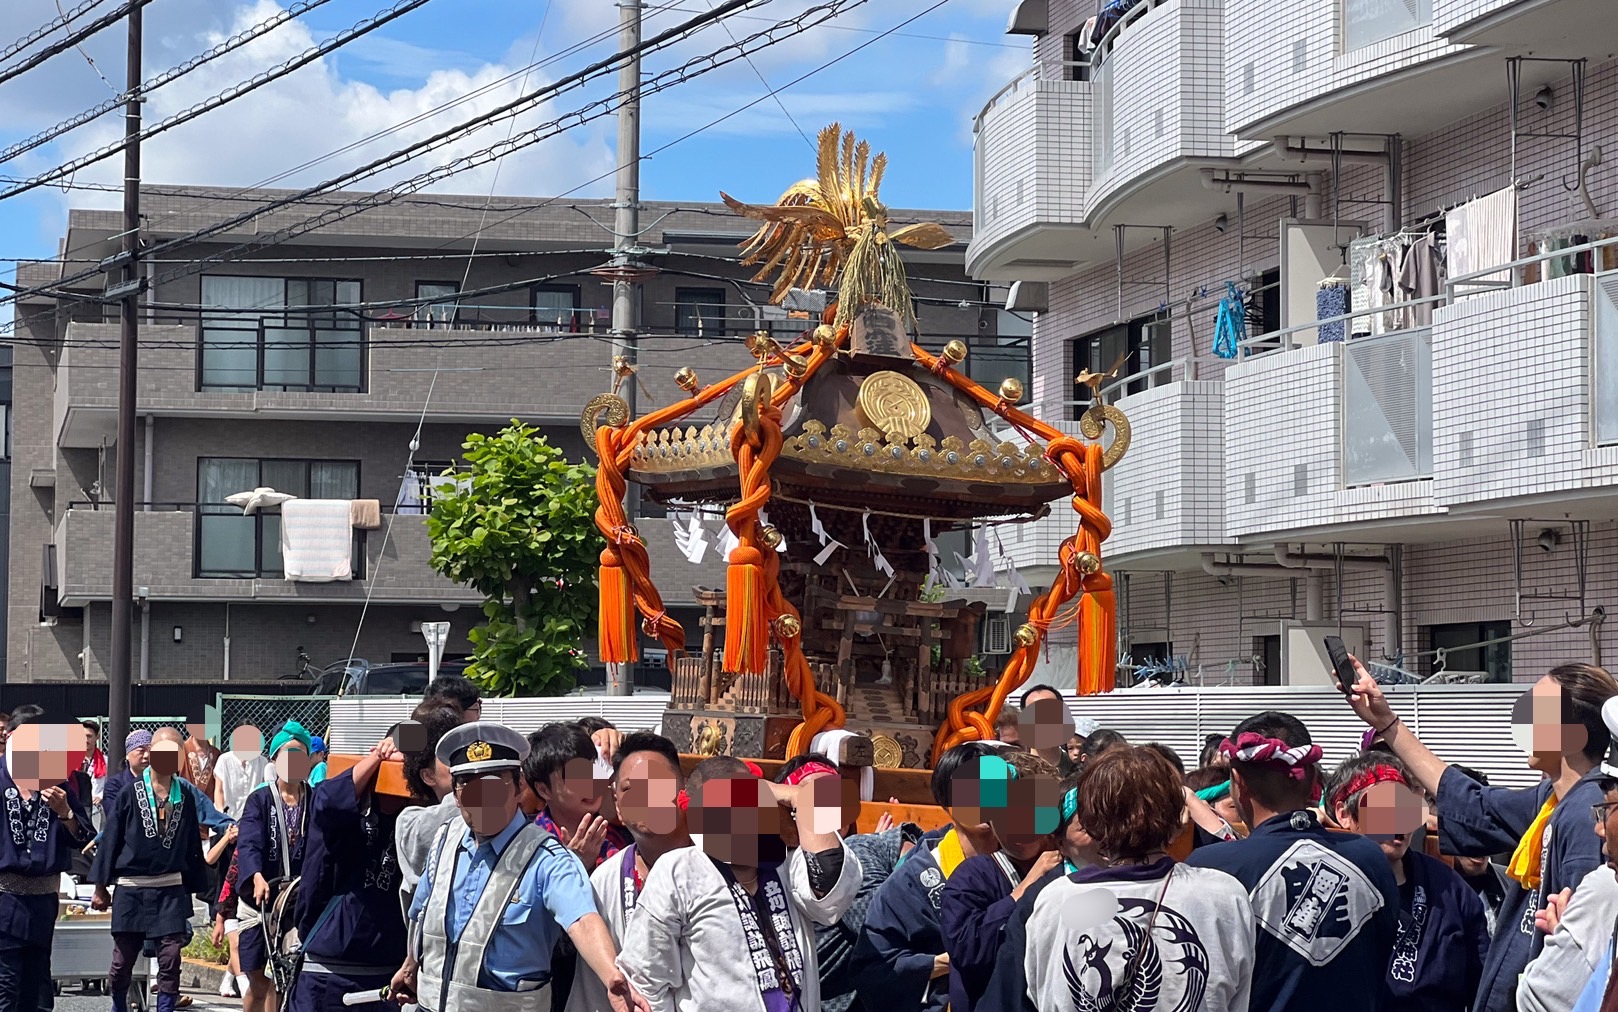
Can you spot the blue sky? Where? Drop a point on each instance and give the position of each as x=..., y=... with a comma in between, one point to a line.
x=911, y=94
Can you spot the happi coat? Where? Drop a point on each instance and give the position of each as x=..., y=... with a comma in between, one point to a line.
x=349, y=922
x=685, y=948
x=1479, y=821
x=1325, y=908
x=617, y=890
x=1197, y=921
x=35, y=849
x=893, y=962
x=1443, y=936
x=153, y=866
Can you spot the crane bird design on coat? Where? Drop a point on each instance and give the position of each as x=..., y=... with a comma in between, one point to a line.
x=1134, y=944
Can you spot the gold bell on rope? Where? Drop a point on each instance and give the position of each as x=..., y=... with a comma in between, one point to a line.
x=955, y=352
x=1026, y=635
x=686, y=379
x=1089, y=563
x=771, y=537
x=787, y=626
x=826, y=336
x=1011, y=390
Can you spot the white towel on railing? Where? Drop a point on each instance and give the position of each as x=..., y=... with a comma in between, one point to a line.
x=317, y=540
x=1482, y=233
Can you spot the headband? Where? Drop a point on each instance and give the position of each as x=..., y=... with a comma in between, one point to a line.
x=1217, y=792
x=754, y=768
x=808, y=770
x=1070, y=805
x=1256, y=748
x=682, y=800
x=1367, y=779
x=137, y=739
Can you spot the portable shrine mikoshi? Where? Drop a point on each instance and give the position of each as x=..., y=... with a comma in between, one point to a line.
x=837, y=462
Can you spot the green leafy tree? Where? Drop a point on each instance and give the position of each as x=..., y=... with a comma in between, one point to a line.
x=524, y=536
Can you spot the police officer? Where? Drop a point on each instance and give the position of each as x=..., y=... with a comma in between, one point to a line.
x=496, y=893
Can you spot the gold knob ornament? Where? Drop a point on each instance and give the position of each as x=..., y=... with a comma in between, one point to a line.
x=787, y=626
x=955, y=352
x=686, y=379
x=771, y=537
x=1089, y=563
x=1011, y=390
x=1026, y=635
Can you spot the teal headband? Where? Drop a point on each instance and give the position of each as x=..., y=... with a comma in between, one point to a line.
x=1070, y=805
x=291, y=732
x=1215, y=793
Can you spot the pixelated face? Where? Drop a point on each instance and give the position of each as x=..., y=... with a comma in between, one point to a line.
x=1045, y=723
x=1542, y=725
x=246, y=742
x=1389, y=813
x=487, y=800
x=165, y=756
x=292, y=764
x=410, y=736
x=736, y=819
x=1032, y=812
x=42, y=755
x=197, y=732
x=646, y=790
x=575, y=791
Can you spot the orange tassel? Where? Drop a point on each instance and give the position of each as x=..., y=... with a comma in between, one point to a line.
x=617, y=630
x=747, y=633
x=1098, y=641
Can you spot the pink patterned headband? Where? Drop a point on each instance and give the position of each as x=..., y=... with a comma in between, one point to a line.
x=1250, y=747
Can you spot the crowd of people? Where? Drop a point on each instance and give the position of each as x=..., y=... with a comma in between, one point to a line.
x=579, y=869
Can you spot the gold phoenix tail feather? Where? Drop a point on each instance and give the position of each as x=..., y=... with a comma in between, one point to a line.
x=834, y=228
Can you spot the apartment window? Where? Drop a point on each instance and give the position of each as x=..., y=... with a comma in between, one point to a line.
x=555, y=307
x=424, y=482
x=1366, y=22
x=1131, y=348
x=1001, y=350
x=699, y=312
x=264, y=343
x=234, y=546
x=1460, y=641
x=1075, y=58
x=437, y=314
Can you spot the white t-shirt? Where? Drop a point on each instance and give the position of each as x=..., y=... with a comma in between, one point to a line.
x=238, y=779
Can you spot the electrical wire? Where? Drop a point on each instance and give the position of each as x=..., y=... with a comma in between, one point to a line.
x=61, y=21
x=62, y=45
x=281, y=17
x=231, y=94
x=762, y=80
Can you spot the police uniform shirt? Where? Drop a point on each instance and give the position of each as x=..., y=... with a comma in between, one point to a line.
x=1326, y=907
x=552, y=894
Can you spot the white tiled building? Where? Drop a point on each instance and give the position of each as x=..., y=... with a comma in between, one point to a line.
x=1421, y=486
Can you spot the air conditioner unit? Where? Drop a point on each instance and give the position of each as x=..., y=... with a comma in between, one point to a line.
x=997, y=634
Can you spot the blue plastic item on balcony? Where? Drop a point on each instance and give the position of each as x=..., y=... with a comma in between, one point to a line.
x=1331, y=300
x=1230, y=323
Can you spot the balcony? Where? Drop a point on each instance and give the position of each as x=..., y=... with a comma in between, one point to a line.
x=474, y=375
x=168, y=557
x=1032, y=179
x=1158, y=114
x=1167, y=491
x=1330, y=434
x=1314, y=67
x=1525, y=395
x=1568, y=28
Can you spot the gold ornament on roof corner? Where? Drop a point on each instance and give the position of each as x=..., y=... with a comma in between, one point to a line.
x=603, y=409
x=1093, y=423
x=478, y=752
x=836, y=225
x=686, y=379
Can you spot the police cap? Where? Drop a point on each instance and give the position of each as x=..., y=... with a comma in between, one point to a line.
x=482, y=747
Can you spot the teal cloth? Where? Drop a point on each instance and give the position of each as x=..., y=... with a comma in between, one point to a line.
x=317, y=774
x=151, y=792
x=290, y=732
x=1215, y=793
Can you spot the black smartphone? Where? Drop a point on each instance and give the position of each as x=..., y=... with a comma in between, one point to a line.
x=1343, y=672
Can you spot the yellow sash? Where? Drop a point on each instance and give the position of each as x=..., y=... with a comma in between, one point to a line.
x=1525, y=859
x=949, y=854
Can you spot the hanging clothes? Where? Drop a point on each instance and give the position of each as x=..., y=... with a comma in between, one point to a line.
x=1331, y=300
x=1421, y=276
x=1230, y=323
x=1482, y=233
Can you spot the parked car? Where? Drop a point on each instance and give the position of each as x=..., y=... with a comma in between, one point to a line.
x=359, y=677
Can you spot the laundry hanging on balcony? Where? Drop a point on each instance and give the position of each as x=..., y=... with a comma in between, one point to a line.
x=257, y=499
x=1230, y=323
x=1331, y=300
x=317, y=540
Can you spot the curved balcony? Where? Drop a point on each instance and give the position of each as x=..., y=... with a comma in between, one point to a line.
x=1031, y=179
x=1314, y=67
x=1563, y=27
x=1158, y=114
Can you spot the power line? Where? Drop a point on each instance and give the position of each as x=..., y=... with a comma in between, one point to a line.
x=231, y=44
x=67, y=42
x=61, y=21
x=343, y=38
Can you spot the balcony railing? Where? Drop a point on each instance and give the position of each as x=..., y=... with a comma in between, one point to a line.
x=1387, y=408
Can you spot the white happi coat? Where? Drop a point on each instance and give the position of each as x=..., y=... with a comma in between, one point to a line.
x=607, y=882
x=685, y=950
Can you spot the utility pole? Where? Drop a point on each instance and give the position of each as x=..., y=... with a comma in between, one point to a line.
x=127, y=290
x=626, y=235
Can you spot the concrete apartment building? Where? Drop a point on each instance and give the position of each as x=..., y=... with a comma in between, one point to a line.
x=326, y=405
x=1447, y=476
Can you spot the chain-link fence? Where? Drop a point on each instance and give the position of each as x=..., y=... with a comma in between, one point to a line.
x=269, y=712
x=115, y=753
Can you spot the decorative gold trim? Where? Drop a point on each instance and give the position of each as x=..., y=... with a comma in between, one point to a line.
x=895, y=404
x=615, y=408
x=1091, y=425
x=478, y=752
x=886, y=753
x=869, y=450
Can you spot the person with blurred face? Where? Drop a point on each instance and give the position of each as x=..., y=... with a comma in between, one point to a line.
x=1546, y=828
x=48, y=822
x=1442, y=939
x=151, y=850
x=726, y=923
x=269, y=848
x=431, y=787
x=648, y=787
x=239, y=771
x=980, y=897
x=137, y=746
x=499, y=879
x=560, y=769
